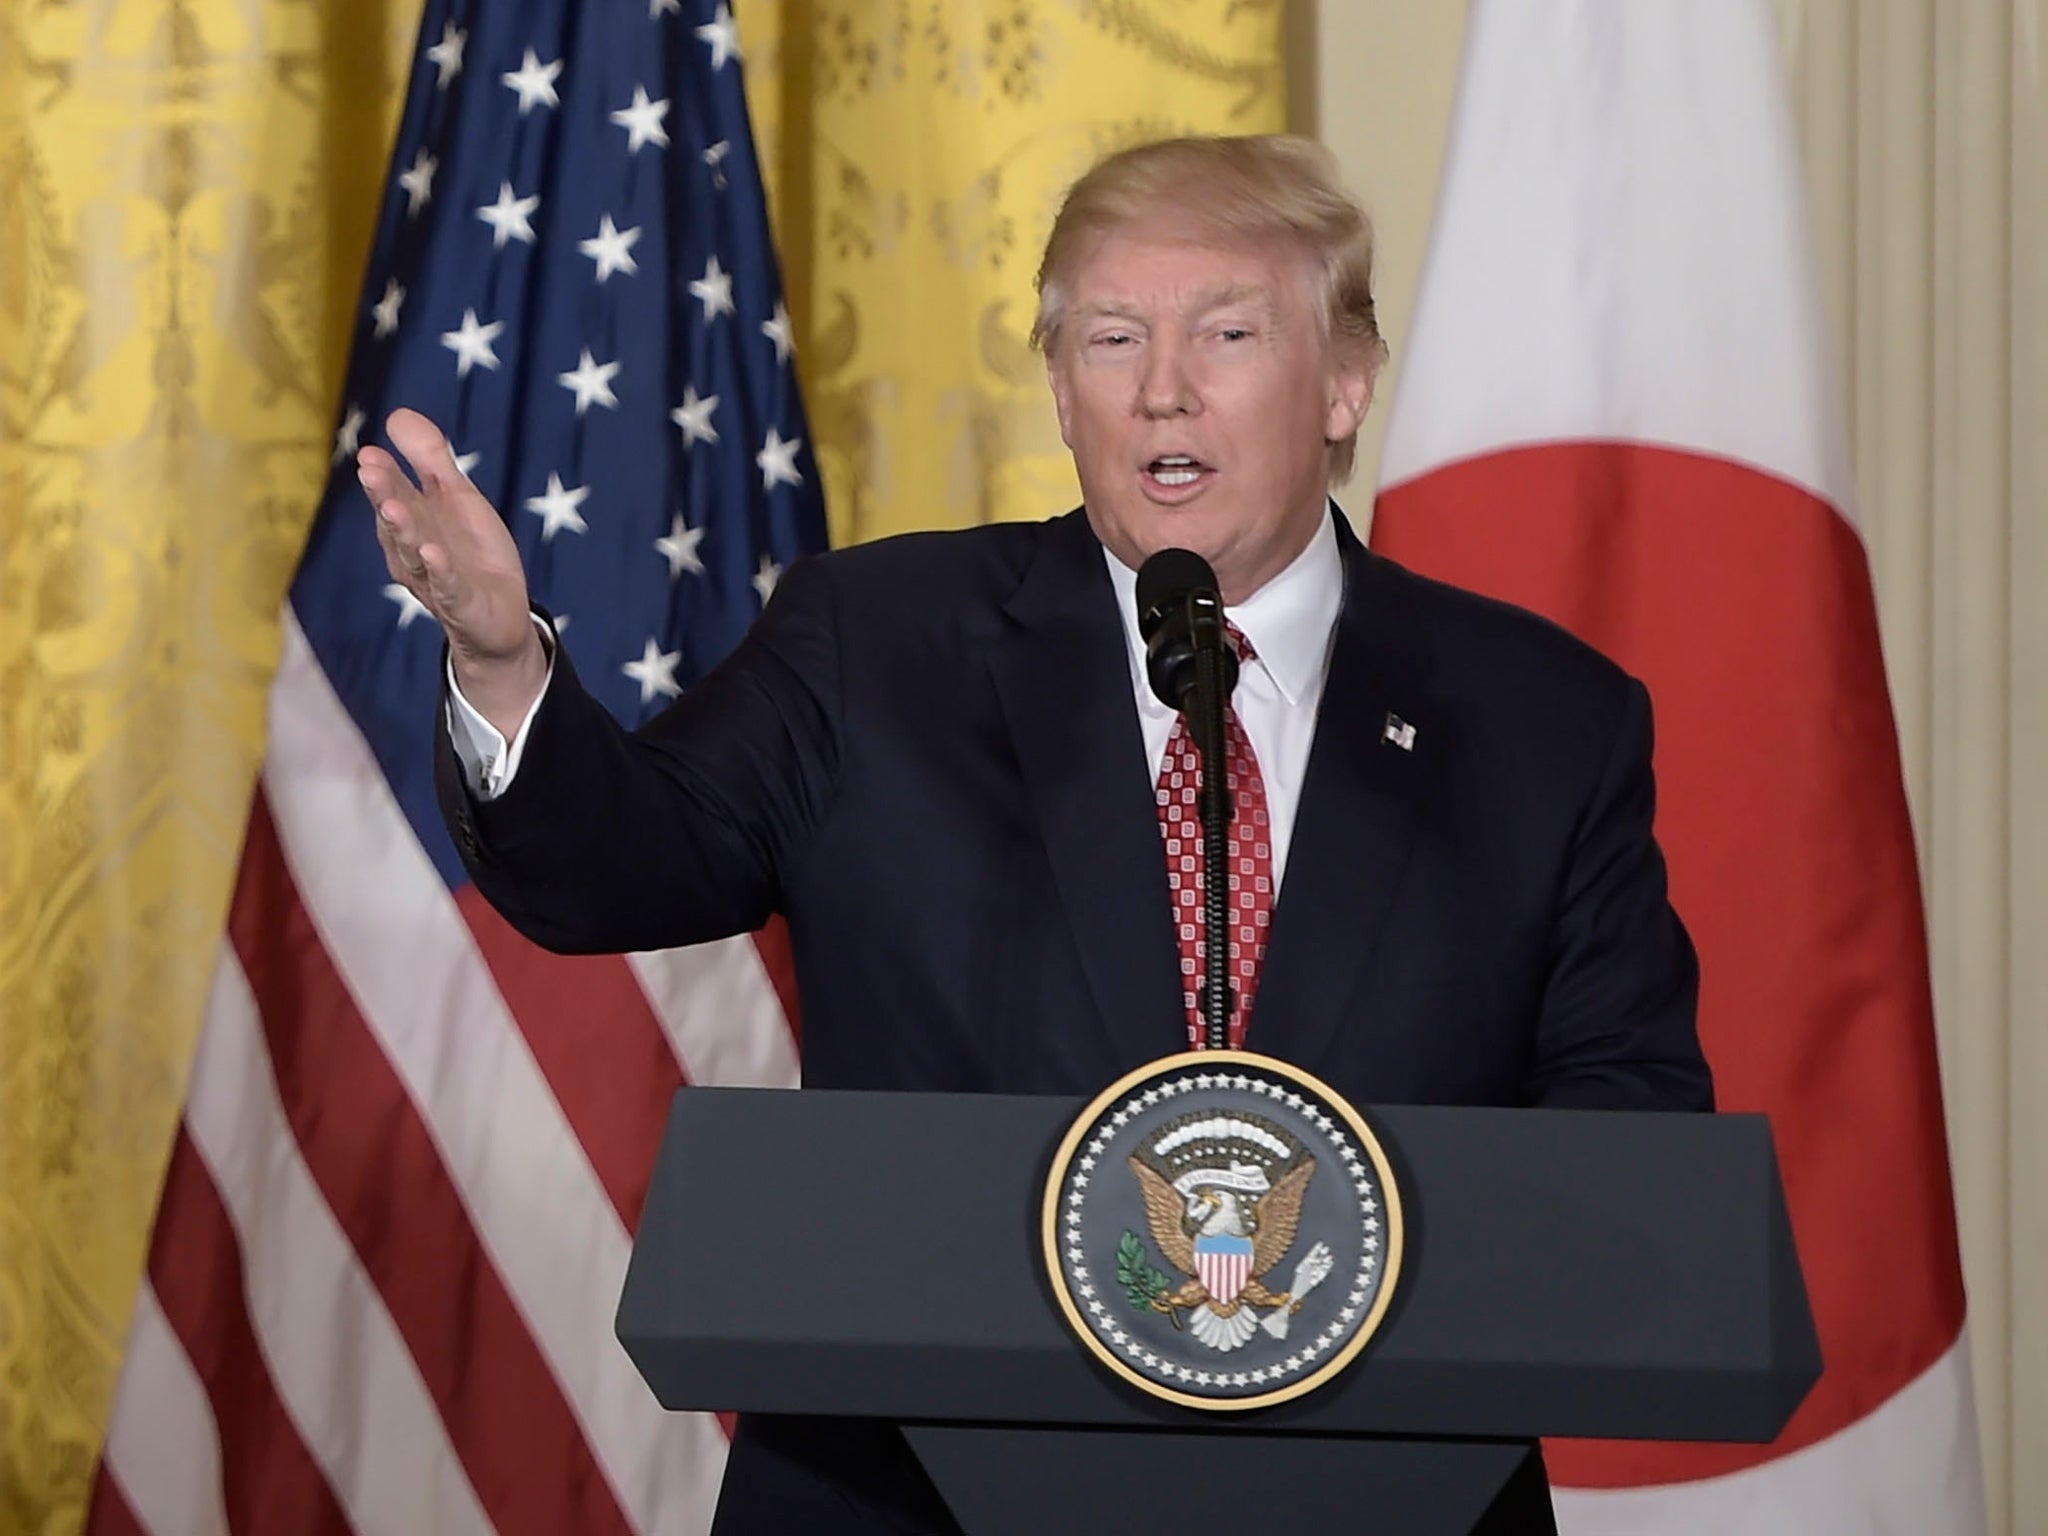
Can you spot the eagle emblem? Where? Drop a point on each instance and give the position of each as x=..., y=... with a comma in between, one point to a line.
x=1223, y=1196
x=1221, y=1230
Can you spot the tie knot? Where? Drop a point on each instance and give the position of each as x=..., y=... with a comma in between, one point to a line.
x=1238, y=643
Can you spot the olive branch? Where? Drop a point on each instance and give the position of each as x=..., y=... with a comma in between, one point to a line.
x=1144, y=1284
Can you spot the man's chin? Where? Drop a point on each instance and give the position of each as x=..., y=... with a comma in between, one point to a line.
x=1135, y=541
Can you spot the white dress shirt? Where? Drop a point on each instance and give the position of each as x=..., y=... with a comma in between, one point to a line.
x=488, y=763
x=1289, y=621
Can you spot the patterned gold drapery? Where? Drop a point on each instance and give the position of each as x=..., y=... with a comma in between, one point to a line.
x=186, y=193
x=187, y=189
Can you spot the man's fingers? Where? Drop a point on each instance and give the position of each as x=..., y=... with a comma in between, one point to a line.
x=441, y=539
x=414, y=560
x=400, y=544
x=373, y=463
x=444, y=586
x=388, y=488
x=425, y=448
x=423, y=569
x=383, y=481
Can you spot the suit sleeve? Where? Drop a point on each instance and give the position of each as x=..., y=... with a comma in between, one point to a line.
x=1618, y=1028
x=683, y=831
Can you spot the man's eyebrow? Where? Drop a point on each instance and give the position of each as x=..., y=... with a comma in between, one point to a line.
x=1226, y=294
x=1202, y=302
x=1111, y=309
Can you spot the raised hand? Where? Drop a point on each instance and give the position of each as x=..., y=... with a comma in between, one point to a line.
x=446, y=545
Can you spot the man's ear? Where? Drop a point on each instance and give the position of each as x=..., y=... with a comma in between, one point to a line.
x=1351, y=387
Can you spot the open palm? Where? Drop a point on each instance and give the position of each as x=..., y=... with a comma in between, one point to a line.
x=447, y=545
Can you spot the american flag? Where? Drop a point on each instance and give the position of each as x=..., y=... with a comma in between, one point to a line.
x=381, y=1287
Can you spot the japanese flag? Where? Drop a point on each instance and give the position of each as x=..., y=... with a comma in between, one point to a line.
x=1618, y=409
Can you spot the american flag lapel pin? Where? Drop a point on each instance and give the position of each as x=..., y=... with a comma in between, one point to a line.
x=1399, y=732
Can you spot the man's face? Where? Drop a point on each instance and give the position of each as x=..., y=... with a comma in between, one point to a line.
x=1199, y=398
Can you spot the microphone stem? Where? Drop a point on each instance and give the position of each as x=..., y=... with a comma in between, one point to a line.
x=1209, y=703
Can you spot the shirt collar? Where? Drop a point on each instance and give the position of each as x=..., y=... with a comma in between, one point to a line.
x=1288, y=620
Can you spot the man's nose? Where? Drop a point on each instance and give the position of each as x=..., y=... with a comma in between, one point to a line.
x=1166, y=387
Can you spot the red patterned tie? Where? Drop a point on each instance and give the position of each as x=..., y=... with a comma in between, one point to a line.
x=1250, y=863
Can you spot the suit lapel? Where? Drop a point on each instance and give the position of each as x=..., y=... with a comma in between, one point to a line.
x=1355, y=823
x=1064, y=680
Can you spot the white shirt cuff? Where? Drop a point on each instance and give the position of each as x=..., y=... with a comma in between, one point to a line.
x=487, y=762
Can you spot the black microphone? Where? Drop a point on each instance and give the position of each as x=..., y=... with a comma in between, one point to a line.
x=1192, y=668
x=1180, y=615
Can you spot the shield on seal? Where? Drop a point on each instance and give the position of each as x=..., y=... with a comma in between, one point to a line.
x=1223, y=1264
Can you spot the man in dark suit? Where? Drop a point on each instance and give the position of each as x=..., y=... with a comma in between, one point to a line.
x=939, y=758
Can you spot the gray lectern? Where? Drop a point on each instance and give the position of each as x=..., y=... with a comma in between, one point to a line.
x=1566, y=1273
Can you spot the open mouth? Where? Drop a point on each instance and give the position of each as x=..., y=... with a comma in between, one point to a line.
x=1176, y=471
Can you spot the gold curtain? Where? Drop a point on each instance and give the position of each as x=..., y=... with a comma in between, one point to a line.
x=187, y=190
x=916, y=152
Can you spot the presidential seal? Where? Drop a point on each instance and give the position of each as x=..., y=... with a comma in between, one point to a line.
x=1222, y=1230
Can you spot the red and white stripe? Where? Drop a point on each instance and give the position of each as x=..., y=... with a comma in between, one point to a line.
x=1618, y=408
x=1223, y=1274
x=381, y=1288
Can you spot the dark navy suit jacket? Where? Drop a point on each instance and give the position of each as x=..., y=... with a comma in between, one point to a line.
x=925, y=755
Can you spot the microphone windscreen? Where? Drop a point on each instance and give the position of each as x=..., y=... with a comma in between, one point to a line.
x=1170, y=573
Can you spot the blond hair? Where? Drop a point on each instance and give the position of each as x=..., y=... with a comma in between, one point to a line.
x=1247, y=190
